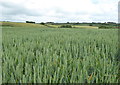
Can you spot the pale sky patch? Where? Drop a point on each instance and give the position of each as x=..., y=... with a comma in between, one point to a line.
x=59, y=10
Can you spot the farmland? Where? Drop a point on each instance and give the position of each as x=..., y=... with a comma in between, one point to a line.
x=53, y=55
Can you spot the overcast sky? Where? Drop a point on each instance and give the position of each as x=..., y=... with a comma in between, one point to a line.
x=59, y=10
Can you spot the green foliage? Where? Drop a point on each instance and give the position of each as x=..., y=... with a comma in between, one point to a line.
x=107, y=27
x=42, y=23
x=90, y=24
x=44, y=55
x=30, y=22
x=103, y=27
x=66, y=26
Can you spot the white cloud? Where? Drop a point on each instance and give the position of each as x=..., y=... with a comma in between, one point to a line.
x=59, y=10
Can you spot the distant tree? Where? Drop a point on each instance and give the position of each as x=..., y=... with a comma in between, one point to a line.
x=104, y=27
x=90, y=25
x=68, y=22
x=42, y=23
x=30, y=22
x=65, y=26
x=76, y=23
x=50, y=22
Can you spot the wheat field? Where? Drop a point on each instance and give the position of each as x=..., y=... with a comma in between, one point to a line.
x=54, y=55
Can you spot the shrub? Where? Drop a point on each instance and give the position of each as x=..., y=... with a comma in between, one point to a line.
x=42, y=23
x=65, y=26
x=30, y=22
x=90, y=25
x=104, y=27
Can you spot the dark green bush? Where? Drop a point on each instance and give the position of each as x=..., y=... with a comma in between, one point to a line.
x=42, y=23
x=90, y=25
x=30, y=22
x=65, y=26
x=105, y=27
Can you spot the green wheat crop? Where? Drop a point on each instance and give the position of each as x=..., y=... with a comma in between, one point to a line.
x=54, y=55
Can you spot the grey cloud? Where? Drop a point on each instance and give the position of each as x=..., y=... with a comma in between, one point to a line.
x=19, y=12
x=104, y=18
x=17, y=9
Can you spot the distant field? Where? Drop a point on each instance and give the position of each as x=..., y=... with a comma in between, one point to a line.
x=55, y=25
x=74, y=26
x=89, y=27
x=15, y=24
x=67, y=55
